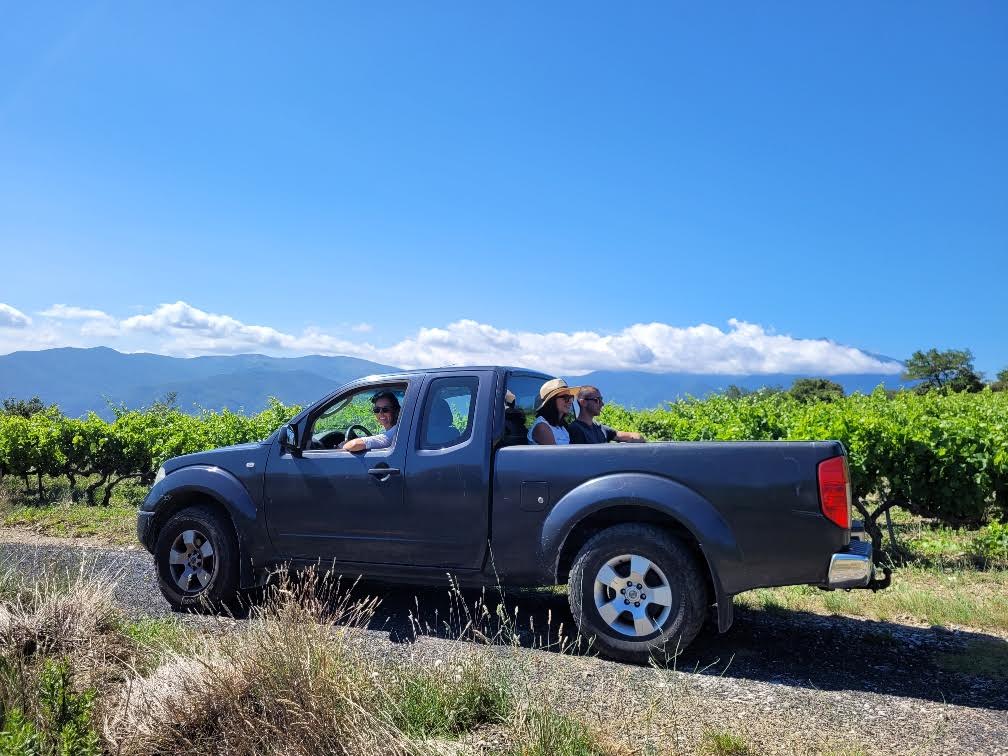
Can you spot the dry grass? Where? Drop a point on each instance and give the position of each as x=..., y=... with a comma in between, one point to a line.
x=62, y=614
x=291, y=683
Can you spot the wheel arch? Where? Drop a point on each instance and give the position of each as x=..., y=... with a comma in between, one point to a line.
x=639, y=497
x=216, y=488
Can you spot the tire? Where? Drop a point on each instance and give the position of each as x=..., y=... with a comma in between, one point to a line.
x=634, y=617
x=197, y=560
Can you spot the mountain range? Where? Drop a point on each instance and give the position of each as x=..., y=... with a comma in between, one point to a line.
x=84, y=380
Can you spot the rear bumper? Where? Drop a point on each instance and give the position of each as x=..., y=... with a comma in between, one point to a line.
x=852, y=567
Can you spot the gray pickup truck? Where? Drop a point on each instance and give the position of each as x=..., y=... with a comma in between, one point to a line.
x=652, y=539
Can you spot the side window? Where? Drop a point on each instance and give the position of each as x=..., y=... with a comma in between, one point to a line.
x=353, y=413
x=447, y=418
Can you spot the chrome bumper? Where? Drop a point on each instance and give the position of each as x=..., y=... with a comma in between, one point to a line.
x=852, y=567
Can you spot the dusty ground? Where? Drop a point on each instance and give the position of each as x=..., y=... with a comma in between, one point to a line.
x=789, y=682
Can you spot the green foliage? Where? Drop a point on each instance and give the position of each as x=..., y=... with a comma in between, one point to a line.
x=63, y=724
x=951, y=370
x=544, y=732
x=23, y=408
x=445, y=702
x=942, y=456
x=132, y=447
x=724, y=743
x=816, y=390
x=991, y=543
x=1001, y=384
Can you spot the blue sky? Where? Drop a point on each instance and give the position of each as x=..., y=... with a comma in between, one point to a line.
x=665, y=186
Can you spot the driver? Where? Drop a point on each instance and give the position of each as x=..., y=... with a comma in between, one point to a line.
x=386, y=409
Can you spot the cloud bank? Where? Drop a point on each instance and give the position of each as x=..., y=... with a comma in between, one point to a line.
x=183, y=330
x=12, y=318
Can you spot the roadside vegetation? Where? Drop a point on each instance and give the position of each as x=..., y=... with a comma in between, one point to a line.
x=77, y=677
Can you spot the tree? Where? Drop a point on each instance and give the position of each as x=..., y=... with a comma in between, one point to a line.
x=22, y=408
x=816, y=390
x=735, y=392
x=951, y=370
x=1001, y=384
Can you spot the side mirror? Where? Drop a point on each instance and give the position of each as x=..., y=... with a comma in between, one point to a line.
x=288, y=441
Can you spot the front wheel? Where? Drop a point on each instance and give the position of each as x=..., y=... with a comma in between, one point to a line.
x=638, y=592
x=197, y=560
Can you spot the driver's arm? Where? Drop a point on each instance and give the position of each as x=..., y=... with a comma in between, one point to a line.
x=379, y=441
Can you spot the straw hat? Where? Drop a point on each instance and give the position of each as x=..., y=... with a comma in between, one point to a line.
x=552, y=389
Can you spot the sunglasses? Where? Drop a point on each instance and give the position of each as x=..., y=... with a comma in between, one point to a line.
x=566, y=397
x=593, y=399
x=383, y=410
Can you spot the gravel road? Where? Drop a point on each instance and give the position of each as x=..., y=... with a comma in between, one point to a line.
x=789, y=682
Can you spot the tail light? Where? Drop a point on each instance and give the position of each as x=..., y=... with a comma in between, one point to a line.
x=835, y=491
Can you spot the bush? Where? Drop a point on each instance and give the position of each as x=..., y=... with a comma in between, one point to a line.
x=991, y=543
x=62, y=726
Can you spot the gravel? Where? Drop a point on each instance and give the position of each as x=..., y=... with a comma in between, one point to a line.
x=787, y=682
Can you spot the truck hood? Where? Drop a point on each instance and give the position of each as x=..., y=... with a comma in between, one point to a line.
x=227, y=457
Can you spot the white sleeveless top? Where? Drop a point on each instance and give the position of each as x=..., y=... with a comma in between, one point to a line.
x=560, y=434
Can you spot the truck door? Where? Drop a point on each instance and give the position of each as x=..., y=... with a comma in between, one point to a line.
x=448, y=471
x=332, y=505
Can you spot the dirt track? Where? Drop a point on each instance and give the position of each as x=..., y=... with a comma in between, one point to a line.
x=787, y=681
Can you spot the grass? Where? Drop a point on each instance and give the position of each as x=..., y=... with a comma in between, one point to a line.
x=921, y=595
x=724, y=743
x=57, y=514
x=115, y=524
x=447, y=701
x=546, y=732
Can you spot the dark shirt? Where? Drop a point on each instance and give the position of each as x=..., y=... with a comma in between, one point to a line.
x=596, y=433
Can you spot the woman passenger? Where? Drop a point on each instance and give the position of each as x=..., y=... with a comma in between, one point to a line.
x=550, y=426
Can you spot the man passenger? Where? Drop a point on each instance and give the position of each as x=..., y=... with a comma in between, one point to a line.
x=586, y=430
x=386, y=409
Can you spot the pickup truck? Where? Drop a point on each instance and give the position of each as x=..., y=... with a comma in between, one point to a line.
x=651, y=539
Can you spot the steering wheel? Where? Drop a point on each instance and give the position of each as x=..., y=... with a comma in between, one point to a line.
x=331, y=439
x=351, y=431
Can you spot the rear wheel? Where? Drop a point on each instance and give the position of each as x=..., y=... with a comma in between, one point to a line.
x=197, y=560
x=638, y=592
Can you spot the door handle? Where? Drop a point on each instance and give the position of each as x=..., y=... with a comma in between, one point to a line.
x=383, y=473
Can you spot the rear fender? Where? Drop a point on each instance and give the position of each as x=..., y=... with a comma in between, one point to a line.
x=716, y=540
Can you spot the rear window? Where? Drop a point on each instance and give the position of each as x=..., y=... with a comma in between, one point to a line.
x=448, y=411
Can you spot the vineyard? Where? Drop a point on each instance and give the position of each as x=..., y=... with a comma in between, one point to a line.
x=94, y=456
x=939, y=456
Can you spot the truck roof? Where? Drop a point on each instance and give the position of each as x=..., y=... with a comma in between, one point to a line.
x=452, y=369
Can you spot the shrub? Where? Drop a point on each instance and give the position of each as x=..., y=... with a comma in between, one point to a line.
x=991, y=543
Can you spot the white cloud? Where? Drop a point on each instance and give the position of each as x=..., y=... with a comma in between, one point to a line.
x=94, y=322
x=653, y=347
x=68, y=312
x=13, y=318
x=741, y=348
x=362, y=328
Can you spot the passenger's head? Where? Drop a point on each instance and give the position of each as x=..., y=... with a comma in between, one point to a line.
x=386, y=408
x=555, y=400
x=589, y=401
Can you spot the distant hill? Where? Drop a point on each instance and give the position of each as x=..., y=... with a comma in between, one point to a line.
x=83, y=380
